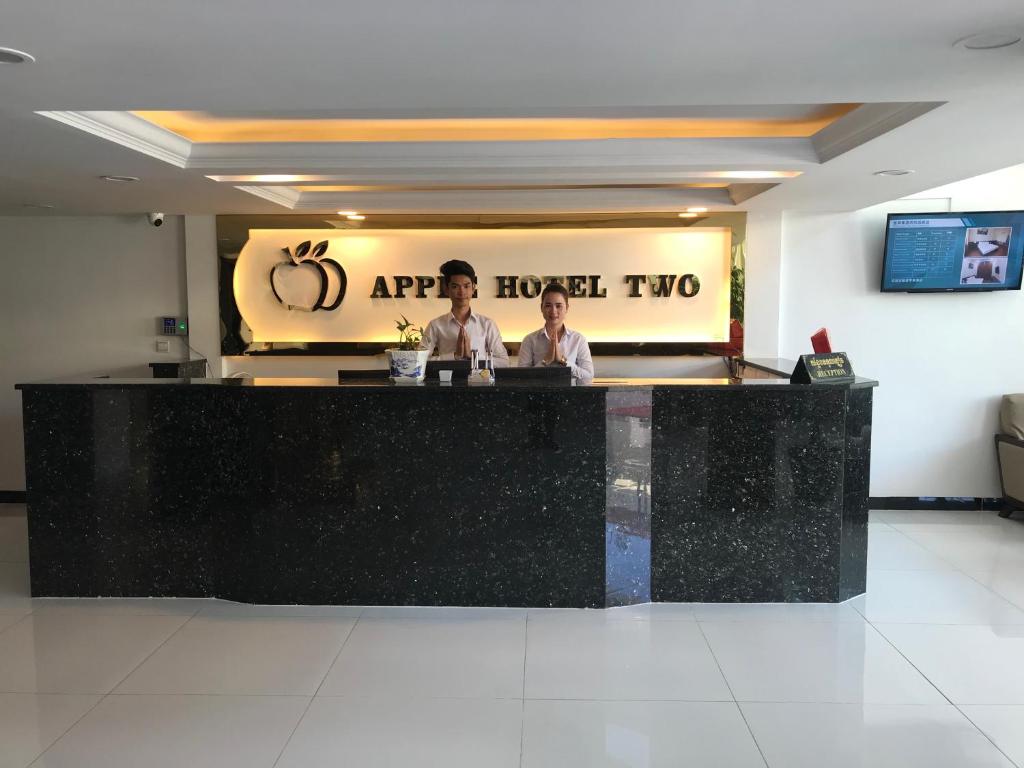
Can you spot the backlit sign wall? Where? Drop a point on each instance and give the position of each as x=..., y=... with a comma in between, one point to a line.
x=626, y=285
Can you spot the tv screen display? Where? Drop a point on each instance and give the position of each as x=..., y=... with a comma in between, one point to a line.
x=976, y=251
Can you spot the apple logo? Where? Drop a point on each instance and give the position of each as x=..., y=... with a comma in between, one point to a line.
x=308, y=281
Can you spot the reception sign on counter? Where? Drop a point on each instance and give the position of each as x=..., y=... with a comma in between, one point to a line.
x=825, y=367
x=626, y=285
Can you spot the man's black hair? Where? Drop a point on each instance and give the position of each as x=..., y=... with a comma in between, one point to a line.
x=456, y=267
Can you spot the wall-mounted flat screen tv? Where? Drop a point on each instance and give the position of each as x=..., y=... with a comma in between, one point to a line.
x=975, y=251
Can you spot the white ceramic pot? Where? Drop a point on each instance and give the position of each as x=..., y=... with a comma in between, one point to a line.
x=408, y=365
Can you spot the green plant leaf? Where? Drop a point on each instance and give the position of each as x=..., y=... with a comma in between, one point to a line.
x=409, y=336
x=737, y=293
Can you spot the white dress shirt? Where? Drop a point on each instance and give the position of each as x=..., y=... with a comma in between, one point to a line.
x=442, y=333
x=572, y=346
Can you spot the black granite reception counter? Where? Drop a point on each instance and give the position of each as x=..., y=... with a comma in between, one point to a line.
x=510, y=494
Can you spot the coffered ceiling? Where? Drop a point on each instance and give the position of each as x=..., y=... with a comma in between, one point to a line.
x=441, y=106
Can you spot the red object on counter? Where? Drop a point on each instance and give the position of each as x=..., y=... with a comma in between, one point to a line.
x=820, y=341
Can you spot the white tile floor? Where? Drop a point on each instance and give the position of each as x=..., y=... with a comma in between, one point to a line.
x=927, y=669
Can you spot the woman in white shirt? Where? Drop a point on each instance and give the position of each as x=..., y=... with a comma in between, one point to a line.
x=554, y=344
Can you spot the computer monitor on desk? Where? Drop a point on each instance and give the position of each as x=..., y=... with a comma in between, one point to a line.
x=350, y=374
x=459, y=368
x=559, y=374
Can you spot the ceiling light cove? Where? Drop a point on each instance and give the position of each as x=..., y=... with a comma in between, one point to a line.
x=324, y=188
x=750, y=174
x=690, y=158
x=894, y=172
x=271, y=178
x=802, y=121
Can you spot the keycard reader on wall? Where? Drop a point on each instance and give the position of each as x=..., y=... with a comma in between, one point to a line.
x=172, y=326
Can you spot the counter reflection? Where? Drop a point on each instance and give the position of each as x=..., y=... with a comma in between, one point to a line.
x=628, y=498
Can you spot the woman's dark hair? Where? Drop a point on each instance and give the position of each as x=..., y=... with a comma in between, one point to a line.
x=456, y=267
x=555, y=288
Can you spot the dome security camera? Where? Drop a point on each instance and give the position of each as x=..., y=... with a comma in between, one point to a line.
x=156, y=219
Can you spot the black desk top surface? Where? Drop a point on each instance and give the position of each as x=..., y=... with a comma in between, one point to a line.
x=315, y=383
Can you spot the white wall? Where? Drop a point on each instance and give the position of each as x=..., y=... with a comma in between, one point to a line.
x=942, y=360
x=762, y=285
x=203, y=290
x=79, y=296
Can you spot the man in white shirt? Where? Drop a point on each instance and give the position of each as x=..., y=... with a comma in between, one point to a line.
x=554, y=344
x=458, y=333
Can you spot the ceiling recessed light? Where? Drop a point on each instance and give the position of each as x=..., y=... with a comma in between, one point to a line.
x=698, y=209
x=11, y=56
x=687, y=215
x=354, y=217
x=988, y=41
x=348, y=213
x=894, y=172
x=121, y=179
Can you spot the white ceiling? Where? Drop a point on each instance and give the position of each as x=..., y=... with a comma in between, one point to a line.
x=440, y=58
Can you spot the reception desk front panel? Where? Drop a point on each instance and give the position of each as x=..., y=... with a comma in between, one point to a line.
x=307, y=491
x=761, y=500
